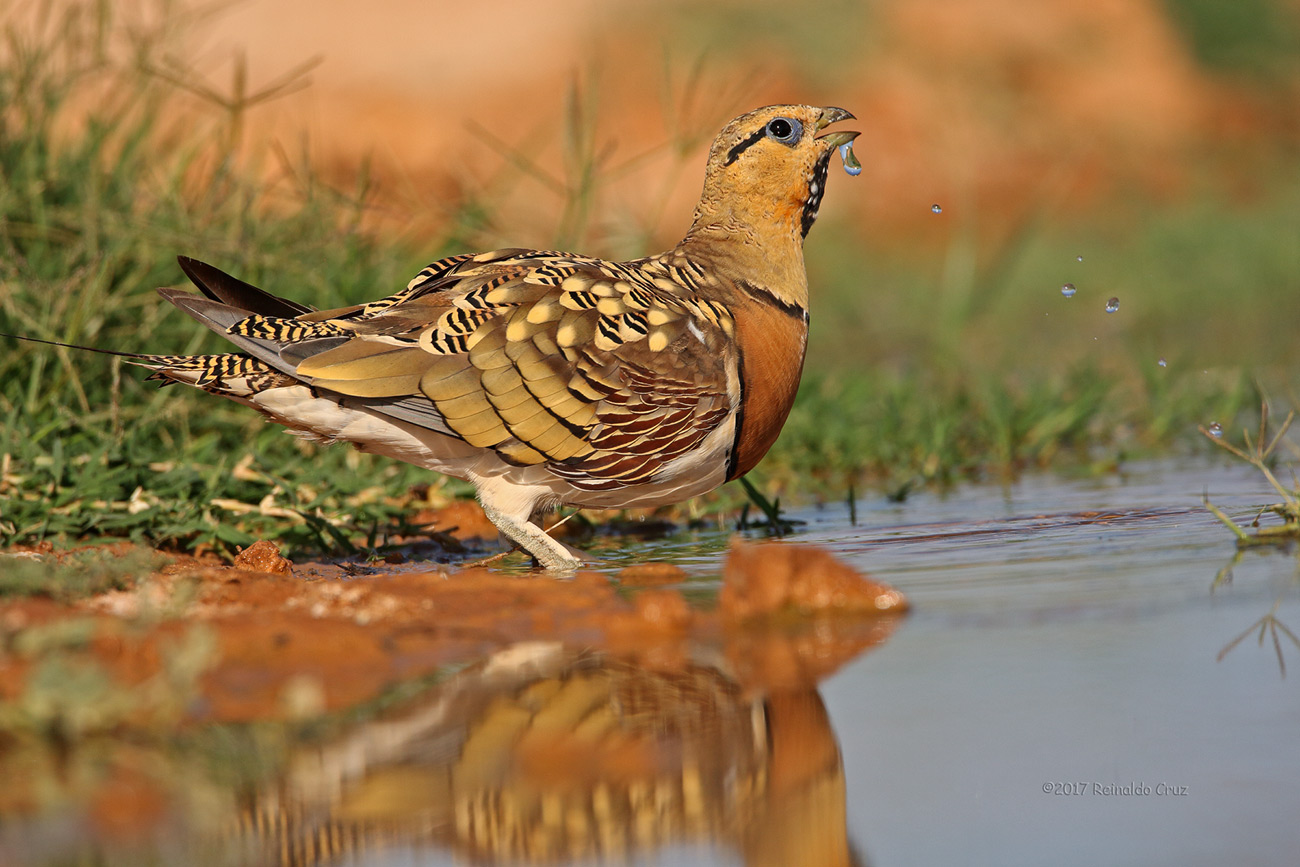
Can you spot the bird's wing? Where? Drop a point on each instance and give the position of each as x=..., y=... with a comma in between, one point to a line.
x=604, y=371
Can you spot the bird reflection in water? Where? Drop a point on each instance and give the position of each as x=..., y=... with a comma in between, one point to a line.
x=543, y=754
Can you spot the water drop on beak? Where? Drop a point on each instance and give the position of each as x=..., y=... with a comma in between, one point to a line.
x=851, y=164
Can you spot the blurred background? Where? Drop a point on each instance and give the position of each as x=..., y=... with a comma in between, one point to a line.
x=1142, y=135
x=1090, y=128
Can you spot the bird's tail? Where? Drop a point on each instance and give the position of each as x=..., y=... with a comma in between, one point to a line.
x=225, y=301
x=229, y=374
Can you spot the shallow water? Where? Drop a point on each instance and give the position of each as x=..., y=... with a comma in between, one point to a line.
x=1055, y=696
x=1050, y=651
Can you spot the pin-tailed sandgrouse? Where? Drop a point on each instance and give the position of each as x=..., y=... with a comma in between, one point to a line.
x=547, y=378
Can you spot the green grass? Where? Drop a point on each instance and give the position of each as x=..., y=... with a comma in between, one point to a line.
x=897, y=432
x=90, y=224
x=1261, y=452
x=919, y=372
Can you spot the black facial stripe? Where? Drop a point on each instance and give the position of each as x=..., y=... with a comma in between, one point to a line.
x=755, y=138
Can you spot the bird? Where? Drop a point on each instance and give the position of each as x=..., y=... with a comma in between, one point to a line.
x=547, y=378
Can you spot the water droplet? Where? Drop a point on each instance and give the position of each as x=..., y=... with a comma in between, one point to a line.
x=851, y=164
x=1162, y=362
x=1068, y=290
x=1078, y=258
x=1112, y=305
x=1216, y=429
x=936, y=209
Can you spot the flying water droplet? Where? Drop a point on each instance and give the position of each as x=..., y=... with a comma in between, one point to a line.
x=1112, y=305
x=1216, y=429
x=1162, y=362
x=851, y=164
x=1078, y=258
x=936, y=209
x=1068, y=290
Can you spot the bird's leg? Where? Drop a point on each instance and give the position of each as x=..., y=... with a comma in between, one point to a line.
x=515, y=524
x=552, y=554
x=540, y=519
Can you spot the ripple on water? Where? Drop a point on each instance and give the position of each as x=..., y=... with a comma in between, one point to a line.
x=1053, y=547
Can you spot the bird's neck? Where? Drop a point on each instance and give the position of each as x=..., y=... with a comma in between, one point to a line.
x=759, y=253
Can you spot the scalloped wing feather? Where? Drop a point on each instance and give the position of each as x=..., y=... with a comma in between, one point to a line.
x=602, y=371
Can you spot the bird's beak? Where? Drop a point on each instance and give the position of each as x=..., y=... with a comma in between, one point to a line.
x=831, y=115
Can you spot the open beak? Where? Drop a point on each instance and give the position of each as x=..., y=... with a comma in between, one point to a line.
x=831, y=115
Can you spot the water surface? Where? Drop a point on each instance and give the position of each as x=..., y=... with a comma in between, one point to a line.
x=1055, y=661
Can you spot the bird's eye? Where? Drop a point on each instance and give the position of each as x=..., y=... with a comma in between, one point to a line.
x=786, y=130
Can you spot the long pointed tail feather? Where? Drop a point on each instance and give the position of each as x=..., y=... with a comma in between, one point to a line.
x=229, y=374
x=142, y=359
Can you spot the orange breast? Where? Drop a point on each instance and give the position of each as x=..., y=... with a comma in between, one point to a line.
x=771, y=343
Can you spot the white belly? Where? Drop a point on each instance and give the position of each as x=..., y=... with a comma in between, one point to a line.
x=326, y=420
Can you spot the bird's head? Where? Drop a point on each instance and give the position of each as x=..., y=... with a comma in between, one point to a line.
x=767, y=171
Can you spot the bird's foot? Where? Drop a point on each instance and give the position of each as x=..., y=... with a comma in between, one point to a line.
x=551, y=554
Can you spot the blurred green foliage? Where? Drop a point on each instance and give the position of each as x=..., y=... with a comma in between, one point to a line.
x=1256, y=37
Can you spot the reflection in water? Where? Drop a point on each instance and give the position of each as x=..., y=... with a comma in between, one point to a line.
x=598, y=726
x=543, y=754
x=1268, y=625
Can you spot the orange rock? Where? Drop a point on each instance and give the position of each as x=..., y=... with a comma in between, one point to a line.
x=263, y=556
x=767, y=578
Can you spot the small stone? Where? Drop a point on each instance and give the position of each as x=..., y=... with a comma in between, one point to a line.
x=263, y=556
